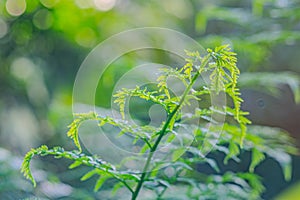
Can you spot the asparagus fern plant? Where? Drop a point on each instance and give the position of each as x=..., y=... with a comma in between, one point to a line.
x=237, y=135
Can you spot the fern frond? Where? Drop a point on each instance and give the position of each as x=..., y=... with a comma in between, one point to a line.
x=100, y=167
x=193, y=58
x=224, y=78
x=74, y=126
x=176, y=73
x=122, y=95
x=142, y=132
x=25, y=167
x=174, y=133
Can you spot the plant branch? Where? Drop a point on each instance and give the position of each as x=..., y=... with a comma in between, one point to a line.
x=163, y=130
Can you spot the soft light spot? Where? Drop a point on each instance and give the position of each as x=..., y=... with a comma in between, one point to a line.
x=25, y=70
x=290, y=41
x=19, y=128
x=15, y=7
x=86, y=37
x=179, y=8
x=3, y=28
x=22, y=68
x=37, y=91
x=104, y=5
x=49, y=3
x=56, y=190
x=169, y=171
x=84, y=4
x=43, y=19
x=4, y=154
x=15, y=163
x=275, y=13
x=282, y=3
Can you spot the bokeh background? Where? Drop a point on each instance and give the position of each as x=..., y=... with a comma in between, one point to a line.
x=44, y=42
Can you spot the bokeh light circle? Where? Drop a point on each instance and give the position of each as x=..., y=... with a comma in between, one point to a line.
x=104, y=141
x=15, y=7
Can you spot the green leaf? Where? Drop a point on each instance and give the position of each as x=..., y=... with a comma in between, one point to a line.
x=257, y=157
x=75, y=164
x=172, y=122
x=25, y=167
x=100, y=182
x=220, y=64
x=255, y=183
x=233, y=151
x=116, y=187
x=74, y=126
x=213, y=164
x=181, y=165
x=164, y=183
x=287, y=171
x=122, y=95
x=178, y=153
x=128, y=176
x=285, y=162
x=144, y=149
x=89, y=174
x=171, y=137
x=201, y=21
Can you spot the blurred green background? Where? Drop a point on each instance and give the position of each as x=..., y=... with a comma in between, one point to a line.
x=44, y=42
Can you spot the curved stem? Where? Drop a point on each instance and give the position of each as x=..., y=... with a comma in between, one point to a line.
x=163, y=130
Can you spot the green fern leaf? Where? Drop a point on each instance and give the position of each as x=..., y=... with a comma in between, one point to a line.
x=74, y=126
x=25, y=167
x=257, y=157
x=100, y=182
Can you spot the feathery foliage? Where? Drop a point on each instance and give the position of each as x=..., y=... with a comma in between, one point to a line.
x=220, y=63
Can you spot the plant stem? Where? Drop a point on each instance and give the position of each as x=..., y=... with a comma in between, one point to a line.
x=163, y=130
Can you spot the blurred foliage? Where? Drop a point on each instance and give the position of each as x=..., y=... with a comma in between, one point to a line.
x=13, y=186
x=290, y=194
x=158, y=174
x=256, y=30
x=43, y=43
x=265, y=81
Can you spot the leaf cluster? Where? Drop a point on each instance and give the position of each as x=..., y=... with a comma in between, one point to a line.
x=160, y=174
